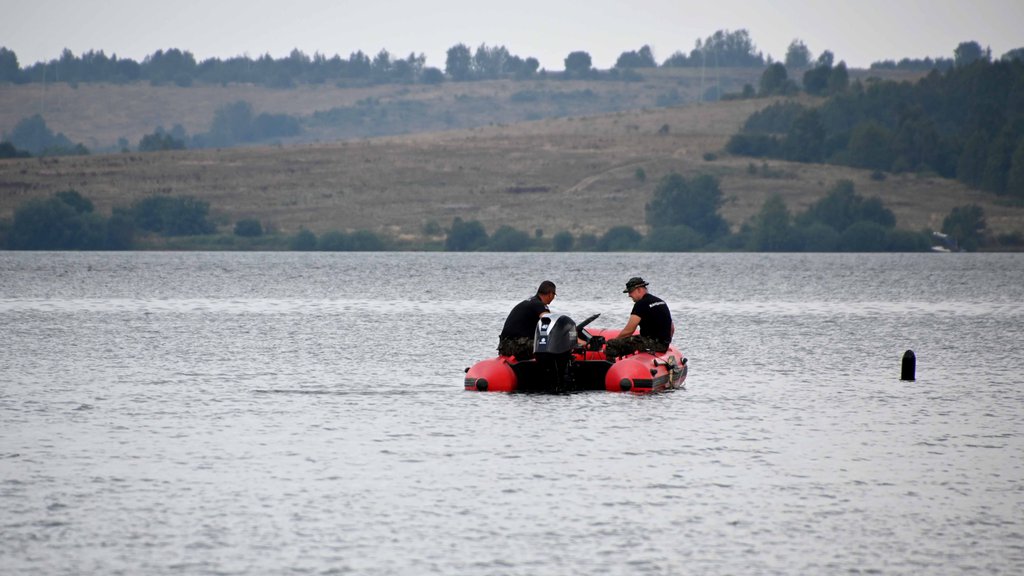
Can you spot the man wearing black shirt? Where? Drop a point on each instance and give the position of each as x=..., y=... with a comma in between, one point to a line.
x=516, y=337
x=653, y=317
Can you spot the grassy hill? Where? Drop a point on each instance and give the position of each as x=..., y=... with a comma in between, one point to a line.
x=574, y=168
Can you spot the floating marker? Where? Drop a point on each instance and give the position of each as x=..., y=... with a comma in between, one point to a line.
x=909, y=365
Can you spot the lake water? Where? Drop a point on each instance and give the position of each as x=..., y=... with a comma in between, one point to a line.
x=304, y=413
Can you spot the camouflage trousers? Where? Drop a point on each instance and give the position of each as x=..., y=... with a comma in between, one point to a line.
x=521, y=347
x=617, y=347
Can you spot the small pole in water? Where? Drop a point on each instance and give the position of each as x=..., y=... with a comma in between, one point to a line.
x=909, y=365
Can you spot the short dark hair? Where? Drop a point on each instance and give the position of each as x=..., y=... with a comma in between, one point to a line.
x=546, y=287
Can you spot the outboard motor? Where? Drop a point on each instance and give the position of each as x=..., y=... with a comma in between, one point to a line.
x=555, y=334
x=553, y=342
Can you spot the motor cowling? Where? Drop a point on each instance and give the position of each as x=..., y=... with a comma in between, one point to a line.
x=555, y=334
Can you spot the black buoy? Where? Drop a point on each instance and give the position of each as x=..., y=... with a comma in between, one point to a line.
x=909, y=365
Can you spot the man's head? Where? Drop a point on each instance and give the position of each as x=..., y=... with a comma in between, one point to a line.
x=636, y=287
x=546, y=291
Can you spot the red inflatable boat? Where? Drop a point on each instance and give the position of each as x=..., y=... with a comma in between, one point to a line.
x=569, y=358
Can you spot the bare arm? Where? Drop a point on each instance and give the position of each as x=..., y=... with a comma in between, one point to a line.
x=634, y=321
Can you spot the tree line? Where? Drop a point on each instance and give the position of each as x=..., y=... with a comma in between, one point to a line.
x=462, y=63
x=174, y=66
x=966, y=123
x=682, y=215
x=236, y=124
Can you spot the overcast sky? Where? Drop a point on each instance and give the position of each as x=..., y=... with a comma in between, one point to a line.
x=857, y=31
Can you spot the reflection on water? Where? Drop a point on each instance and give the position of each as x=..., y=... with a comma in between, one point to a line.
x=231, y=413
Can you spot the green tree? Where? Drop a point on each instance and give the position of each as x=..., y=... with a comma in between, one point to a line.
x=173, y=215
x=967, y=53
x=578, y=63
x=562, y=241
x=459, y=63
x=333, y=241
x=805, y=141
x=490, y=62
x=120, y=230
x=172, y=65
x=798, y=55
x=432, y=75
x=967, y=225
x=303, y=241
x=871, y=146
x=365, y=241
x=508, y=239
x=158, y=141
x=1015, y=178
x=818, y=237
x=842, y=207
x=908, y=241
x=864, y=236
x=775, y=81
x=916, y=142
x=619, y=239
x=34, y=136
x=248, y=228
x=73, y=198
x=9, y=68
x=53, y=224
x=232, y=124
x=772, y=229
x=998, y=162
x=970, y=166
x=838, y=79
x=267, y=126
x=816, y=79
x=642, y=58
x=725, y=48
x=694, y=203
x=465, y=236
x=8, y=150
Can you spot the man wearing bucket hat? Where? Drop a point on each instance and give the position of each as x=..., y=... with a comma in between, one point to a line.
x=651, y=315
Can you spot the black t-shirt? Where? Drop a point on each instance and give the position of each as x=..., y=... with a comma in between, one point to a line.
x=522, y=320
x=655, y=318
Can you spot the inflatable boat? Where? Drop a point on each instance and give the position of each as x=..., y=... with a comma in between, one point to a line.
x=570, y=358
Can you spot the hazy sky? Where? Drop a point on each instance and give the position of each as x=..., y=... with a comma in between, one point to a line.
x=857, y=31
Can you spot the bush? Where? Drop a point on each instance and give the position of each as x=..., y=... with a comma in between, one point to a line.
x=303, y=241
x=908, y=241
x=432, y=228
x=562, y=241
x=8, y=150
x=967, y=225
x=173, y=215
x=587, y=242
x=248, y=228
x=159, y=141
x=818, y=237
x=620, y=239
x=333, y=241
x=508, y=239
x=465, y=236
x=365, y=241
x=695, y=203
x=54, y=224
x=864, y=236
